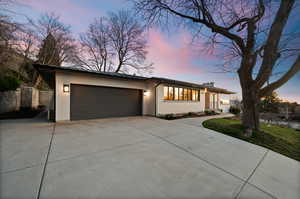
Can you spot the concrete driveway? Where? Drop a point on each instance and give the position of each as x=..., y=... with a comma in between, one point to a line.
x=137, y=157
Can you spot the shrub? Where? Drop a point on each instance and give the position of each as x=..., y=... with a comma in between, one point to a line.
x=9, y=83
x=234, y=110
x=190, y=114
x=210, y=112
x=169, y=116
x=22, y=113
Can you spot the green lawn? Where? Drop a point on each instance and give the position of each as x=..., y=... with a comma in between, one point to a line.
x=280, y=139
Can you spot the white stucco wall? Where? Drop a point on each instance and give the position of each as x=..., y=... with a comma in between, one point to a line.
x=149, y=101
x=152, y=104
x=167, y=107
x=63, y=99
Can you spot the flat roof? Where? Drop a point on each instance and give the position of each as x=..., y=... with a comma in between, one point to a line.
x=41, y=68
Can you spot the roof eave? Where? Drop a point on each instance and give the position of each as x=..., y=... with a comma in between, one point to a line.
x=41, y=67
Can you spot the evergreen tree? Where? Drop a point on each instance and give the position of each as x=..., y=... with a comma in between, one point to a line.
x=48, y=53
x=270, y=103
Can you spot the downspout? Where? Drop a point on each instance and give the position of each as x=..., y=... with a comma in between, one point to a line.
x=54, y=95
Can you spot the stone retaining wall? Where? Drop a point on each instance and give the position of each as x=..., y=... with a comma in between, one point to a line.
x=10, y=101
x=25, y=97
x=29, y=97
x=45, y=98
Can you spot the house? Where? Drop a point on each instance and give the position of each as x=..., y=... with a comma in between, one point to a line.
x=82, y=94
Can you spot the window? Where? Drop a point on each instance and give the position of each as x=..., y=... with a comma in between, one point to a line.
x=166, y=96
x=176, y=93
x=185, y=94
x=214, y=102
x=171, y=93
x=190, y=94
x=181, y=94
x=224, y=102
x=194, y=95
x=197, y=95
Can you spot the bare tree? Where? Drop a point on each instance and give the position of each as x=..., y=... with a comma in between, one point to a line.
x=16, y=44
x=7, y=36
x=56, y=44
x=128, y=42
x=50, y=24
x=8, y=28
x=252, y=29
x=94, y=46
x=114, y=44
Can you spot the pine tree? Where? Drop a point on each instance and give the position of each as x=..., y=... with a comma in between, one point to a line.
x=48, y=53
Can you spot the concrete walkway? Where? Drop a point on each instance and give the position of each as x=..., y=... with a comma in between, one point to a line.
x=137, y=157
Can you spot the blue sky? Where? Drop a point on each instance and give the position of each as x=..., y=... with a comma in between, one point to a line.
x=171, y=52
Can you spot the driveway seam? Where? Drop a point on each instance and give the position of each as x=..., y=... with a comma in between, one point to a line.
x=252, y=173
x=46, y=161
x=20, y=169
x=214, y=165
x=195, y=155
x=255, y=186
x=99, y=151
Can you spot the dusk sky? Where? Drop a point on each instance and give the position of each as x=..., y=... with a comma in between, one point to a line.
x=171, y=52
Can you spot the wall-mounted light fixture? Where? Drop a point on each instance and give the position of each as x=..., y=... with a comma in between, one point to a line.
x=66, y=88
x=205, y=90
x=146, y=93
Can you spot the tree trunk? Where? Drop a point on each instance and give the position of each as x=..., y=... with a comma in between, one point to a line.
x=250, y=115
x=119, y=67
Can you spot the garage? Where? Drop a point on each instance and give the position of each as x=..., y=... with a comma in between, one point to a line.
x=91, y=102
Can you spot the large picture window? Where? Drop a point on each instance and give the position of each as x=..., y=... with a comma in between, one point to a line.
x=194, y=95
x=189, y=94
x=171, y=93
x=185, y=94
x=181, y=94
x=176, y=93
x=166, y=93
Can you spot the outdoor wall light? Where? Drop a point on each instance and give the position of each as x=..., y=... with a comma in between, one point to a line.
x=146, y=93
x=66, y=88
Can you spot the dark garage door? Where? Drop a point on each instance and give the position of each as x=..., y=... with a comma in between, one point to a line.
x=90, y=102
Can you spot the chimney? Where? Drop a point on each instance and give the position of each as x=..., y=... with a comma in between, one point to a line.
x=209, y=84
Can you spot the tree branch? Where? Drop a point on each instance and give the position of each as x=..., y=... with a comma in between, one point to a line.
x=271, y=87
x=214, y=27
x=271, y=47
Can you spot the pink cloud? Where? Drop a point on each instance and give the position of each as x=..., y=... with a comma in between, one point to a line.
x=68, y=10
x=172, y=57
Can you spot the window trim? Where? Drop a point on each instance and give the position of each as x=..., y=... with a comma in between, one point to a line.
x=187, y=94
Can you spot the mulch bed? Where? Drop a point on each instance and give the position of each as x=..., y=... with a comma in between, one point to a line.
x=22, y=113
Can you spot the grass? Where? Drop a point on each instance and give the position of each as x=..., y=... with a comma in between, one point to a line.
x=276, y=138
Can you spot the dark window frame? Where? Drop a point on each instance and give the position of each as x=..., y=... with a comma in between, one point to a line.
x=187, y=94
